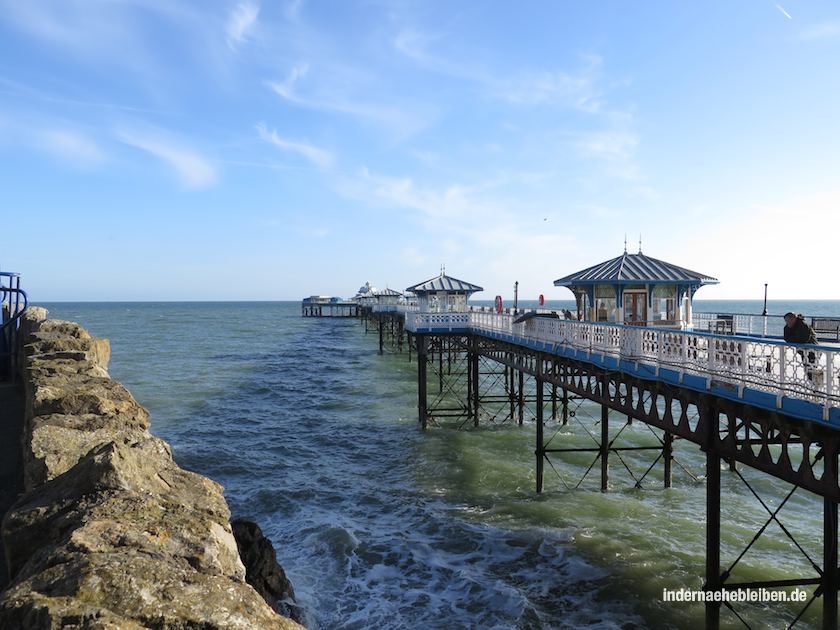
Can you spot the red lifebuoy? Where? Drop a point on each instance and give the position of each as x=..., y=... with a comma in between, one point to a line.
x=499, y=304
x=542, y=299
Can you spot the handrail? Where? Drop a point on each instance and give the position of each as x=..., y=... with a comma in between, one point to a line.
x=801, y=380
x=14, y=302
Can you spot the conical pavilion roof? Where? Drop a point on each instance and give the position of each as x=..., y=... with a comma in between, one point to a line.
x=632, y=269
x=444, y=283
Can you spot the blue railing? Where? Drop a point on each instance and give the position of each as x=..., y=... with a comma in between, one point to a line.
x=14, y=302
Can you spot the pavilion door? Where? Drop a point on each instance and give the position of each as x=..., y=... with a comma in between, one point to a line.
x=635, y=308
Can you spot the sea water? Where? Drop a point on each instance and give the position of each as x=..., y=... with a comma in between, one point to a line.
x=314, y=435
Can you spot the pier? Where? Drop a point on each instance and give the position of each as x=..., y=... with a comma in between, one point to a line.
x=743, y=398
x=326, y=306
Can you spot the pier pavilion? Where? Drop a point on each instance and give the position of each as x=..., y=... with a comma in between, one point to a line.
x=443, y=294
x=635, y=290
x=742, y=400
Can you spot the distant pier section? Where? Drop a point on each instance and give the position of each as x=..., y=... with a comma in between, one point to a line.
x=327, y=306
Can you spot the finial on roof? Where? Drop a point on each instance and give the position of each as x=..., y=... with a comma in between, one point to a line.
x=625, y=242
x=443, y=270
x=640, y=243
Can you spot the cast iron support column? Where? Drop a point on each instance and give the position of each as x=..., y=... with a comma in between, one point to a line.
x=521, y=397
x=441, y=341
x=421, y=379
x=565, y=395
x=510, y=384
x=540, y=452
x=605, y=437
x=713, y=577
x=381, y=335
x=473, y=378
x=668, y=454
x=829, y=577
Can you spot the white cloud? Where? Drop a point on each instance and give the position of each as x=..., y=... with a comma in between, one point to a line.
x=452, y=203
x=193, y=170
x=71, y=146
x=324, y=97
x=613, y=146
x=241, y=23
x=319, y=157
x=551, y=88
x=286, y=88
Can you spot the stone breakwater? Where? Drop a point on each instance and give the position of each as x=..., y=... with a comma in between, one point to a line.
x=110, y=532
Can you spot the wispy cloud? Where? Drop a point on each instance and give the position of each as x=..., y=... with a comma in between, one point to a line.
x=458, y=206
x=241, y=23
x=548, y=88
x=193, y=169
x=70, y=146
x=323, y=97
x=287, y=87
x=609, y=145
x=615, y=149
x=293, y=9
x=521, y=86
x=319, y=157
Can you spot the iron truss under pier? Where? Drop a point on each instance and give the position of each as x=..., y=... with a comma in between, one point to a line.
x=475, y=368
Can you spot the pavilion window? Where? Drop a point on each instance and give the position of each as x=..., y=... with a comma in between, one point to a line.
x=664, y=303
x=605, y=303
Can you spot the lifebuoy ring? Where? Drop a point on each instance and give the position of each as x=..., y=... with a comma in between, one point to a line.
x=499, y=304
x=542, y=299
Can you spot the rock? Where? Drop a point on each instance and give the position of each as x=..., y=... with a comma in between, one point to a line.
x=262, y=570
x=77, y=394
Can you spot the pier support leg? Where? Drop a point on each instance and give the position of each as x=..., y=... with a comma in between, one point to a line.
x=510, y=384
x=829, y=578
x=422, y=364
x=381, y=336
x=565, y=405
x=668, y=454
x=521, y=397
x=713, y=580
x=605, y=447
x=540, y=450
x=472, y=375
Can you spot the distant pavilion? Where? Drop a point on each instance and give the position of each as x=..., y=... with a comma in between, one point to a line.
x=635, y=289
x=443, y=294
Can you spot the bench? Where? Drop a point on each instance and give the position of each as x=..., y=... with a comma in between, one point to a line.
x=826, y=328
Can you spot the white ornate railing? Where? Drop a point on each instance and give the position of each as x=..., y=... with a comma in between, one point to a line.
x=758, y=365
x=436, y=322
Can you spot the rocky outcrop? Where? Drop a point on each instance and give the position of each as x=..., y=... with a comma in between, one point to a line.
x=111, y=532
x=262, y=571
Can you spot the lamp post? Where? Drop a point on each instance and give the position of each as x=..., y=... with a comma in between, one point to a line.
x=515, y=296
x=764, y=312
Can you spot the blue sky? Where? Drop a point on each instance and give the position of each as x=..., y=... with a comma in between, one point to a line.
x=168, y=150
